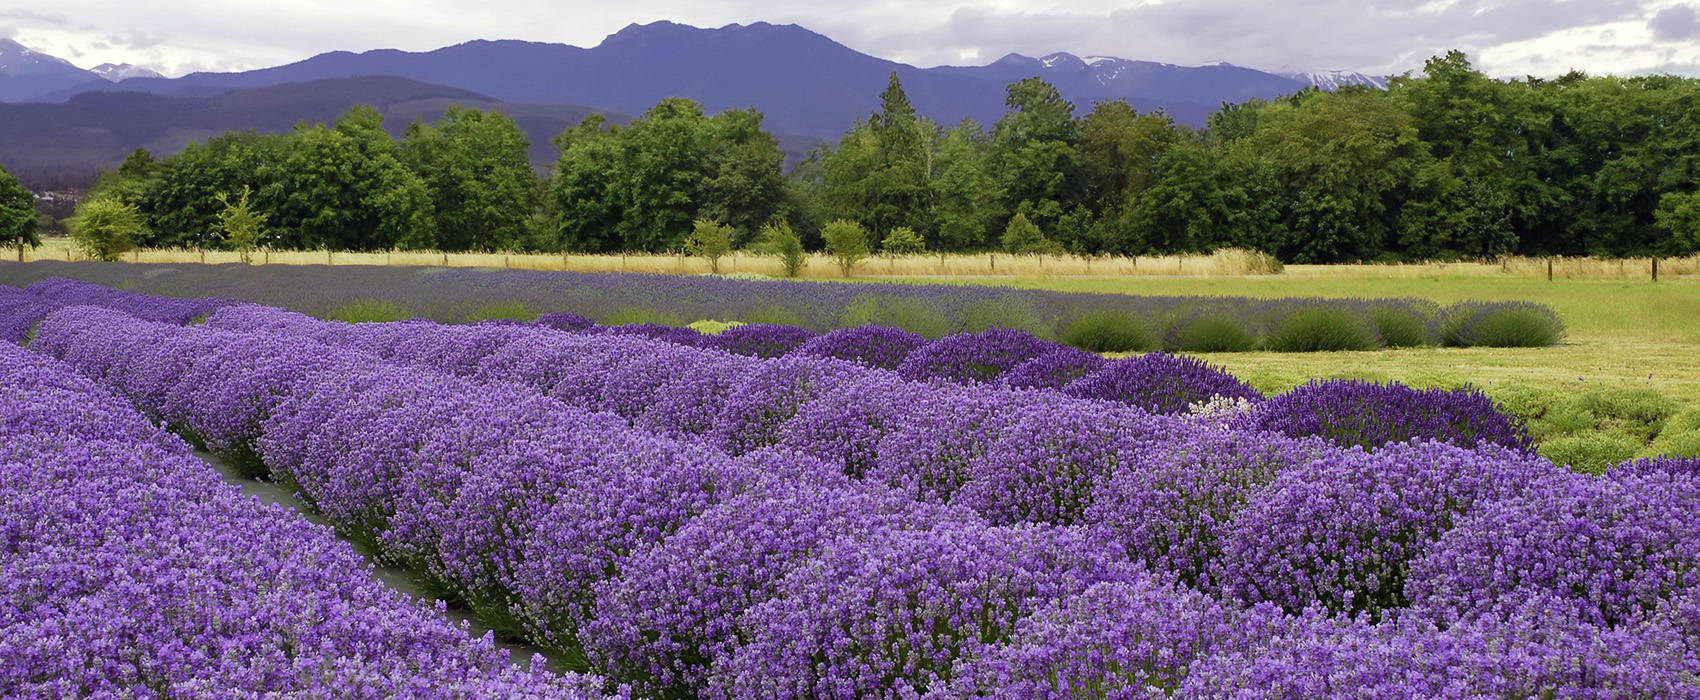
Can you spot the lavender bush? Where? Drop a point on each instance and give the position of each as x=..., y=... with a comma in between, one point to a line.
x=968, y=358
x=1054, y=369
x=1160, y=383
x=1351, y=412
x=760, y=339
x=873, y=345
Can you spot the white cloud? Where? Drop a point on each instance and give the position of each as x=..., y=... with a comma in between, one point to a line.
x=1504, y=37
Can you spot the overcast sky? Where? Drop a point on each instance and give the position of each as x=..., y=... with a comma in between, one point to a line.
x=1505, y=38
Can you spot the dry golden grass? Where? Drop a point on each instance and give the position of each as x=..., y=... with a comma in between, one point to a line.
x=1220, y=264
x=1223, y=263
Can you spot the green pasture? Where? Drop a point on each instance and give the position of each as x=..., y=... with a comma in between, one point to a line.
x=1625, y=382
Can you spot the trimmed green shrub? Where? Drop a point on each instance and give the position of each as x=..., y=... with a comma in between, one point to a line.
x=910, y=314
x=1500, y=325
x=1675, y=443
x=510, y=310
x=1530, y=403
x=1011, y=314
x=633, y=315
x=370, y=311
x=774, y=315
x=1402, y=326
x=1110, y=331
x=1211, y=332
x=1640, y=413
x=1591, y=452
x=1323, y=327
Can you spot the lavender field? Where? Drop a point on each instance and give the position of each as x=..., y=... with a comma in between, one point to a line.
x=785, y=511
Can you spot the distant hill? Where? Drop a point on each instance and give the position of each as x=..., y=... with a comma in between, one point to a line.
x=25, y=74
x=808, y=87
x=97, y=129
x=803, y=82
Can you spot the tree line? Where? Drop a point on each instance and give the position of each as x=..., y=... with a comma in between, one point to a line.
x=1447, y=164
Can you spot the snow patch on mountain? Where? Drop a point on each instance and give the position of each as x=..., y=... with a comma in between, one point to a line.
x=124, y=71
x=1332, y=80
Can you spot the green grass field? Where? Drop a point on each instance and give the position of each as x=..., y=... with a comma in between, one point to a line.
x=1621, y=334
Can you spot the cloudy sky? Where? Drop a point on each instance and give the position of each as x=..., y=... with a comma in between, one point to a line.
x=1506, y=38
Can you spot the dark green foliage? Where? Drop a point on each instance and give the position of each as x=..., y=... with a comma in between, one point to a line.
x=370, y=311
x=105, y=228
x=1210, y=332
x=481, y=183
x=1323, y=327
x=1110, y=331
x=847, y=243
x=18, y=220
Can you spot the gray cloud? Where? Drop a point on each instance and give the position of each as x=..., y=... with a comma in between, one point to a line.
x=32, y=17
x=1504, y=37
x=1679, y=23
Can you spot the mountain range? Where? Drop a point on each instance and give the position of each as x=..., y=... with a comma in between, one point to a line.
x=809, y=87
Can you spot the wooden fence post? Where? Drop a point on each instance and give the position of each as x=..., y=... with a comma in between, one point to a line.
x=1655, y=269
x=1549, y=269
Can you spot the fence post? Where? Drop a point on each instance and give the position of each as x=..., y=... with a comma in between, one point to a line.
x=1655, y=269
x=994, y=258
x=1549, y=269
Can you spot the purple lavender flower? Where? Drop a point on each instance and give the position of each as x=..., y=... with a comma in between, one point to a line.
x=848, y=416
x=770, y=395
x=564, y=321
x=891, y=615
x=1047, y=461
x=933, y=447
x=1169, y=503
x=1644, y=467
x=1054, y=369
x=671, y=614
x=682, y=335
x=1160, y=383
x=873, y=345
x=1342, y=531
x=1533, y=649
x=968, y=358
x=1352, y=412
x=760, y=339
x=144, y=306
x=1611, y=550
x=1132, y=638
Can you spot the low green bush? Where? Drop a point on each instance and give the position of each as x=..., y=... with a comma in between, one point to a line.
x=633, y=315
x=776, y=315
x=1110, y=331
x=1010, y=314
x=370, y=311
x=910, y=314
x=1529, y=403
x=1591, y=452
x=512, y=310
x=1211, y=332
x=1675, y=443
x=1637, y=412
x=1404, y=326
x=1323, y=328
x=1500, y=325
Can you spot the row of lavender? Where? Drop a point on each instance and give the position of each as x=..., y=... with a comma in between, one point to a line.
x=1175, y=323
x=130, y=570
x=809, y=528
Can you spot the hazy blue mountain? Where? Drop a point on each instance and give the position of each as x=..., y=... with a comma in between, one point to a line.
x=803, y=82
x=25, y=73
x=70, y=140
